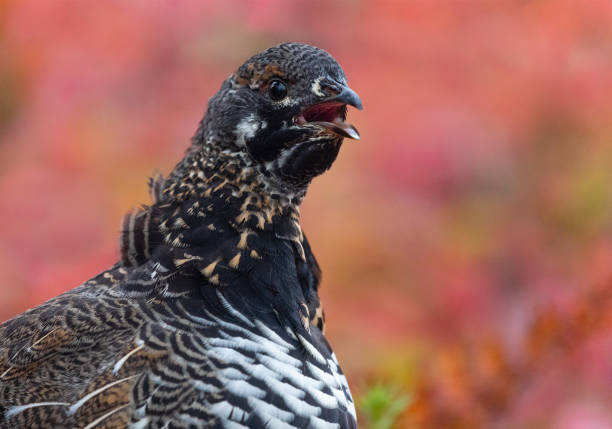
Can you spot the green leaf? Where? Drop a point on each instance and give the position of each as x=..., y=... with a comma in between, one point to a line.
x=381, y=405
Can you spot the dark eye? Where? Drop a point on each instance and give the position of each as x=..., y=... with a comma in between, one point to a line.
x=277, y=90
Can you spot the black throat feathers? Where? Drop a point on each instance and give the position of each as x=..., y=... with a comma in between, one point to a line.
x=215, y=223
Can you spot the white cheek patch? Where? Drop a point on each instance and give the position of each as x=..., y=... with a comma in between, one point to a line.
x=316, y=87
x=247, y=128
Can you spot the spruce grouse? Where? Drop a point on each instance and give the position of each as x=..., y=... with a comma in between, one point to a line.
x=211, y=318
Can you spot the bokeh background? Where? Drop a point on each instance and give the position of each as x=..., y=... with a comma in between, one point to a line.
x=465, y=241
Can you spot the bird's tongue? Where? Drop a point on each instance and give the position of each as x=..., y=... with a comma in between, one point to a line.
x=341, y=128
x=330, y=116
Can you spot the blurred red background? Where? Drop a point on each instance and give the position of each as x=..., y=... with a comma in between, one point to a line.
x=465, y=241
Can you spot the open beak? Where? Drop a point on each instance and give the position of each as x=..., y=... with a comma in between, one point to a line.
x=331, y=113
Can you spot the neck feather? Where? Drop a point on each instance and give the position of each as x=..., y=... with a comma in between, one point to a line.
x=212, y=196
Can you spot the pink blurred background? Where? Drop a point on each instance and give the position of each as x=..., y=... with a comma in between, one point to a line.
x=465, y=241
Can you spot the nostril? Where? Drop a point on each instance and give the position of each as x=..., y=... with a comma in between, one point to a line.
x=331, y=91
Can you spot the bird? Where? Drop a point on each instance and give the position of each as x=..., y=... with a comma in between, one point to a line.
x=211, y=317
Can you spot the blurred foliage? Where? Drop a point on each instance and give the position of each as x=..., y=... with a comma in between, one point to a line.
x=380, y=406
x=465, y=241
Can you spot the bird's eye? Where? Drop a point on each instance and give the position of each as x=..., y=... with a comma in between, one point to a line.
x=277, y=90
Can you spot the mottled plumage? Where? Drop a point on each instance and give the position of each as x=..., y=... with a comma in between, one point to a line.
x=211, y=318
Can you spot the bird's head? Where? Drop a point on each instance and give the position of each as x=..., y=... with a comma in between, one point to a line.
x=283, y=112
